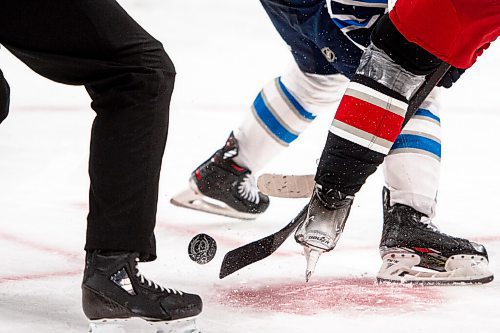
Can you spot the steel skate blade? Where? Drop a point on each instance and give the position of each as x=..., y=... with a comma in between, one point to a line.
x=139, y=325
x=192, y=199
x=312, y=256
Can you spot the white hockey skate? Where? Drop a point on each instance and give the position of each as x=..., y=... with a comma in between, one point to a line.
x=413, y=250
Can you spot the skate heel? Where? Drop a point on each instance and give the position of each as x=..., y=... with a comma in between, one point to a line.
x=395, y=266
x=138, y=325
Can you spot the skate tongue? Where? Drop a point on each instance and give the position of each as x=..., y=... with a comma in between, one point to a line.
x=312, y=256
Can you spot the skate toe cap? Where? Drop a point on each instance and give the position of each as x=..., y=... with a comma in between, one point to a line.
x=182, y=306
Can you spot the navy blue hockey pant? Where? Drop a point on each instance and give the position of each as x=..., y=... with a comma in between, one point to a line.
x=317, y=45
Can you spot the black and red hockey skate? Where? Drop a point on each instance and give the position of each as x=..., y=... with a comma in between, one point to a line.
x=221, y=186
x=413, y=250
x=117, y=298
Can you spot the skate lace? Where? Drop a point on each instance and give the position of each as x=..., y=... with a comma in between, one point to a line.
x=150, y=283
x=247, y=188
x=428, y=224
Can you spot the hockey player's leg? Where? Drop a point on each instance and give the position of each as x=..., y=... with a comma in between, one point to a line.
x=224, y=184
x=282, y=110
x=412, y=167
x=370, y=115
x=130, y=80
x=409, y=239
x=4, y=97
x=367, y=122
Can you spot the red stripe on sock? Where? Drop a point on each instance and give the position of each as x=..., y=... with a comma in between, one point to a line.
x=369, y=118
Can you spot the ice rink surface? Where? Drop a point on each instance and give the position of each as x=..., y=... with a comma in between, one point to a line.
x=224, y=52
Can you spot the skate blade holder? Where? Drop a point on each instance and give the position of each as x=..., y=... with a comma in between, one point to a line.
x=139, y=325
x=460, y=268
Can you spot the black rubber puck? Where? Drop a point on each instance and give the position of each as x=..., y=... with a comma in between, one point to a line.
x=202, y=249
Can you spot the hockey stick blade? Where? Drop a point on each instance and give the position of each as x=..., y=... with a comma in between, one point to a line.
x=286, y=186
x=247, y=254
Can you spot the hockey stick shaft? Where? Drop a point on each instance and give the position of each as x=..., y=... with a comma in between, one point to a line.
x=425, y=89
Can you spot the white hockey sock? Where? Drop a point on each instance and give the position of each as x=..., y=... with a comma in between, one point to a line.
x=281, y=111
x=412, y=168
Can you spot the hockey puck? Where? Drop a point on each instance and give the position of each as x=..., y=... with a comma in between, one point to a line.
x=202, y=249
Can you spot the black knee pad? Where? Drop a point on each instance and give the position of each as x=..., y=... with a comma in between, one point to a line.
x=4, y=98
x=408, y=55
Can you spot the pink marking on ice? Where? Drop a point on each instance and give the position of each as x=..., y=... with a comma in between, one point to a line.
x=39, y=276
x=481, y=239
x=40, y=247
x=71, y=256
x=360, y=294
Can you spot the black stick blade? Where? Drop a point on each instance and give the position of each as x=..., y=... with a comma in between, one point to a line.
x=247, y=254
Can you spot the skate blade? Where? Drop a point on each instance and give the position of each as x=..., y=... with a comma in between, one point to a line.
x=139, y=325
x=459, y=269
x=312, y=256
x=194, y=200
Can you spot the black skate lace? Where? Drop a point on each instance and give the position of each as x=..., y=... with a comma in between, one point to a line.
x=247, y=188
x=150, y=283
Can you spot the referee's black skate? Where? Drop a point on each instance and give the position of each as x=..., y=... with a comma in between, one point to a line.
x=220, y=186
x=117, y=298
x=413, y=250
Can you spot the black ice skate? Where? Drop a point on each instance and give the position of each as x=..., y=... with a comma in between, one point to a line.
x=411, y=242
x=220, y=186
x=326, y=216
x=118, y=299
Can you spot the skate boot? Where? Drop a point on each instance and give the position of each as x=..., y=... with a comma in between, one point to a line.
x=117, y=298
x=413, y=250
x=326, y=216
x=220, y=186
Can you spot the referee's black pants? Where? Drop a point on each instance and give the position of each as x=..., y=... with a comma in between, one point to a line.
x=130, y=79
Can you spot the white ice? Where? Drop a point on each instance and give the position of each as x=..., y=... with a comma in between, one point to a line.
x=224, y=52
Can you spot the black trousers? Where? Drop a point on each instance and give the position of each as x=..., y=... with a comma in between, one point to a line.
x=130, y=79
